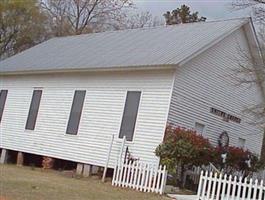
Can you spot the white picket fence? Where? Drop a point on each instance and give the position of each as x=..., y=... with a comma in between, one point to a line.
x=213, y=186
x=140, y=176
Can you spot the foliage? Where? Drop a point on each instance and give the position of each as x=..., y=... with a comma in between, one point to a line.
x=22, y=25
x=182, y=146
x=182, y=15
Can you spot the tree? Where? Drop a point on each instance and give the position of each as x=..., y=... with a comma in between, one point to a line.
x=252, y=72
x=22, y=25
x=74, y=17
x=137, y=20
x=257, y=7
x=182, y=15
x=183, y=148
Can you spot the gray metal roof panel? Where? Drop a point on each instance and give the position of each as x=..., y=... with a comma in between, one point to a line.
x=166, y=45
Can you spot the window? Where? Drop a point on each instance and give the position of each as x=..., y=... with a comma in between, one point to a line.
x=199, y=128
x=76, y=111
x=3, y=95
x=241, y=142
x=130, y=115
x=34, y=109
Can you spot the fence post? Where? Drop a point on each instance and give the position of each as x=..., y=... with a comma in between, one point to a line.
x=163, y=181
x=200, y=186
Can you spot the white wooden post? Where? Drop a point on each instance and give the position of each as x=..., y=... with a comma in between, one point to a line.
x=108, y=157
x=200, y=186
x=121, y=150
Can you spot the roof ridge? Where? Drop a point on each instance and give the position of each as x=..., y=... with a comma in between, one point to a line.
x=151, y=28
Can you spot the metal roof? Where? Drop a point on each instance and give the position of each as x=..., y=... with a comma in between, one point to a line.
x=158, y=46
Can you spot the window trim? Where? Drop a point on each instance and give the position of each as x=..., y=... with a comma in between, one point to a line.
x=81, y=115
x=203, y=123
x=4, y=106
x=245, y=142
x=137, y=116
x=35, y=89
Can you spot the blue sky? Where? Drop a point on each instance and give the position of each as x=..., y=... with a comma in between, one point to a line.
x=212, y=9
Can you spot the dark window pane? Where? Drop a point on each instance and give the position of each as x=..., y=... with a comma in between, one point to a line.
x=3, y=95
x=76, y=112
x=34, y=109
x=130, y=115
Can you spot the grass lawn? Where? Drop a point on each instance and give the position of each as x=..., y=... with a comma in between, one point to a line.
x=24, y=183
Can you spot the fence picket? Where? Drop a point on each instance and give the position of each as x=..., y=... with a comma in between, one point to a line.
x=219, y=186
x=244, y=188
x=143, y=178
x=124, y=173
x=261, y=190
x=146, y=177
x=204, y=184
x=159, y=178
x=239, y=187
x=250, y=185
x=234, y=187
x=132, y=175
x=136, y=175
x=128, y=174
x=114, y=175
x=139, y=176
x=223, y=186
x=214, y=186
x=209, y=185
x=200, y=186
x=154, y=183
x=163, y=180
x=255, y=189
x=229, y=187
x=150, y=179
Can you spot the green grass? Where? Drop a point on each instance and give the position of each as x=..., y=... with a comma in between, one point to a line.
x=24, y=183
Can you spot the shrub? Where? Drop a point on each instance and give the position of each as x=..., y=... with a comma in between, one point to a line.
x=184, y=148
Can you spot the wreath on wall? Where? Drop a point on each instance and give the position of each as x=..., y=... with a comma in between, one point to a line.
x=223, y=140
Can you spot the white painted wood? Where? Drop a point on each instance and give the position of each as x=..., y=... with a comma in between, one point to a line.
x=142, y=179
x=207, y=81
x=108, y=157
x=136, y=175
x=229, y=189
x=101, y=115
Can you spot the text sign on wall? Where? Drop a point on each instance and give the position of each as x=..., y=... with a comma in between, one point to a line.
x=226, y=117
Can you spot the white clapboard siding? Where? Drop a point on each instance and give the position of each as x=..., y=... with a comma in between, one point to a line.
x=101, y=115
x=205, y=82
x=223, y=187
x=141, y=176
